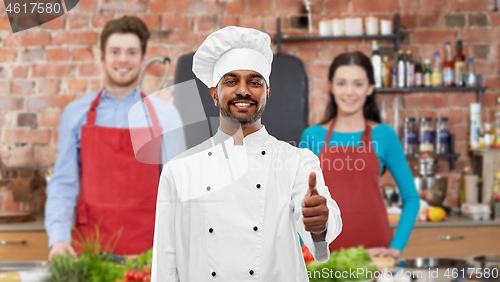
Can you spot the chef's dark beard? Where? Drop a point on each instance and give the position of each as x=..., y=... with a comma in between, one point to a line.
x=226, y=112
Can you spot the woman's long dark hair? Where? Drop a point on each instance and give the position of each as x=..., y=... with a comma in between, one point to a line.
x=370, y=110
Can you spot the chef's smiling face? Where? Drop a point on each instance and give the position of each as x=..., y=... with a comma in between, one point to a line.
x=241, y=95
x=123, y=59
x=350, y=88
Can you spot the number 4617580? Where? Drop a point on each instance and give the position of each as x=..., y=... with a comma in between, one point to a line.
x=39, y=8
x=474, y=272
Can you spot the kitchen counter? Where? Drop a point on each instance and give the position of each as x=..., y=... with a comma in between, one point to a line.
x=454, y=221
x=37, y=225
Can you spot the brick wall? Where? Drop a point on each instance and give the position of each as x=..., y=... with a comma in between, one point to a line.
x=44, y=68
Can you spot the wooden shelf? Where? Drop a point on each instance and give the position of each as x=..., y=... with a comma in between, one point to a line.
x=431, y=89
x=285, y=38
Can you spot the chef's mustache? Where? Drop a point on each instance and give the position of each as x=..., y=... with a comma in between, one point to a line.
x=242, y=98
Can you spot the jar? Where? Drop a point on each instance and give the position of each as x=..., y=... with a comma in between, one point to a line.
x=442, y=136
x=426, y=135
x=410, y=136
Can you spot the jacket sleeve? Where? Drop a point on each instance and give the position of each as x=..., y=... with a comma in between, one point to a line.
x=310, y=163
x=164, y=248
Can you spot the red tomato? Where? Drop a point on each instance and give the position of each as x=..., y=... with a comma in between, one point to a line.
x=147, y=278
x=130, y=275
x=308, y=257
x=139, y=276
x=146, y=269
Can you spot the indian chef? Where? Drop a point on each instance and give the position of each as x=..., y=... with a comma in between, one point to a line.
x=230, y=208
x=96, y=168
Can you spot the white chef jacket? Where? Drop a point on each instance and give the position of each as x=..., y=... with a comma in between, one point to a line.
x=231, y=213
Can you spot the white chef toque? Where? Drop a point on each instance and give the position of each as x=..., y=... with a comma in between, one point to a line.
x=233, y=48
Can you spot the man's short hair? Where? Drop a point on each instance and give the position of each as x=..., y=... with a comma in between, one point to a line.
x=126, y=24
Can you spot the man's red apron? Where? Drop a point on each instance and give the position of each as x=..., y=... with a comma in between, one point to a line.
x=351, y=174
x=117, y=191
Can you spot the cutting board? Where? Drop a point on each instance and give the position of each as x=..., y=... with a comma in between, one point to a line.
x=10, y=217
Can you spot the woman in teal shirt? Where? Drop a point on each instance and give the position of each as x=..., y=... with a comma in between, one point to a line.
x=358, y=147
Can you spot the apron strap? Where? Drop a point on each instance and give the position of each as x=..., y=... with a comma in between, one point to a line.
x=329, y=134
x=91, y=117
x=366, y=138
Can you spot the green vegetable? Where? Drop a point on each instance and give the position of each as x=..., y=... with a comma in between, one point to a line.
x=343, y=262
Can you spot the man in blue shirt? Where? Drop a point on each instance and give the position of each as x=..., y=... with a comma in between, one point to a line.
x=117, y=192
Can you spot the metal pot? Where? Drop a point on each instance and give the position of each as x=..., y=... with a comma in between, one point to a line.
x=432, y=189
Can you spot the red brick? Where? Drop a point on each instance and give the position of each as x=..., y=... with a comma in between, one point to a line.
x=433, y=36
x=370, y=6
x=493, y=83
x=251, y=22
x=336, y=6
x=484, y=67
x=50, y=118
x=88, y=5
x=100, y=20
x=259, y=7
x=206, y=23
x=454, y=115
x=27, y=39
x=152, y=21
x=229, y=21
x=83, y=54
x=5, y=87
x=182, y=37
x=10, y=104
x=59, y=54
x=174, y=20
x=163, y=6
x=460, y=131
x=54, y=136
x=4, y=23
x=317, y=106
x=235, y=7
x=33, y=54
x=426, y=101
x=408, y=20
x=86, y=70
x=78, y=21
x=490, y=100
x=494, y=18
x=432, y=5
x=8, y=55
x=37, y=103
x=75, y=38
x=57, y=23
x=409, y=5
x=20, y=156
x=429, y=20
x=95, y=84
x=49, y=86
x=470, y=5
x=319, y=87
x=20, y=72
x=318, y=71
x=427, y=52
x=213, y=7
x=26, y=136
x=308, y=55
x=463, y=99
x=327, y=55
x=45, y=155
x=8, y=203
x=25, y=87
x=44, y=70
x=156, y=70
x=77, y=86
x=479, y=35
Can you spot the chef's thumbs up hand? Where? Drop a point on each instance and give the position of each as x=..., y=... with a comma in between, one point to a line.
x=315, y=210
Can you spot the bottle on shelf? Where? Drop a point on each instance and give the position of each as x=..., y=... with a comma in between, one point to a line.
x=427, y=135
x=410, y=136
x=427, y=73
x=475, y=125
x=377, y=64
x=383, y=111
x=471, y=76
x=488, y=136
x=495, y=197
x=410, y=70
x=386, y=73
x=496, y=130
x=419, y=73
x=448, y=67
x=442, y=136
x=437, y=76
x=401, y=69
x=459, y=66
x=466, y=171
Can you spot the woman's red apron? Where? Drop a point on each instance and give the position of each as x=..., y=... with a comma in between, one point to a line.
x=117, y=191
x=351, y=174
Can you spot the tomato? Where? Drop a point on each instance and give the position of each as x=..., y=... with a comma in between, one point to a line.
x=146, y=269
x=130, y=275
x=147, y=278
x=139, y=276
x=308, y=257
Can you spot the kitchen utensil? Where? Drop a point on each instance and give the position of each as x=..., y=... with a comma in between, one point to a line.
x=426, y=263
x=432, y=189
x=325, y=28
x=164, y=60
x=353, y=26
x=385, y=27
x=338, y=27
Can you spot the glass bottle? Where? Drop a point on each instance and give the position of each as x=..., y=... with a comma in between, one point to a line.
x=442, y=136
x=401, y=69
x=426, y=135
x=419, y=73
x=386, y=73
x=377, y=64
x=459, y=66
x=410, y=136
x=448, y=67
x=437, y=76
x=394, y=77
x=427, y=74
x=471, y=77
x=410, y=70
